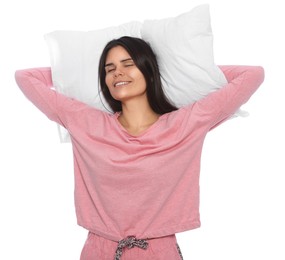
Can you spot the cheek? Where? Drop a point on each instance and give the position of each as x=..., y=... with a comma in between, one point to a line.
x=108, y=82
x=142, y=82
x=137, y=76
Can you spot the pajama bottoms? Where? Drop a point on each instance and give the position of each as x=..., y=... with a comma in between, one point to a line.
x=162, y=248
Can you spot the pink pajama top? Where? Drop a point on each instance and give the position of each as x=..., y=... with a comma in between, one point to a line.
x=147, y=185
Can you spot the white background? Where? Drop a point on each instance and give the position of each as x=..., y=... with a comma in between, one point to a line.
x=242, y=177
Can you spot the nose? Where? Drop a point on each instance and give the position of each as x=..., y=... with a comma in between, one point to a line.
x=118, y=72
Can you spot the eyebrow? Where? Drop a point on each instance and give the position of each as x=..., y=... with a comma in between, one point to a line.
x=124, y=60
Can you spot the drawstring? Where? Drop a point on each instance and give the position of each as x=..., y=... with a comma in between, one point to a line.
x=129, y=242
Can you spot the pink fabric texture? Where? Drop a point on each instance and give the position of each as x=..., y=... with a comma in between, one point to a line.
x=148, y=185
x=97, y=247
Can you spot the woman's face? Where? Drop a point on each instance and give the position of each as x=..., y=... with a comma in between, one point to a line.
x=124, y=80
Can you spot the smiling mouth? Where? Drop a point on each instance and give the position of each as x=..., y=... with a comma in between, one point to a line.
x=121, y=83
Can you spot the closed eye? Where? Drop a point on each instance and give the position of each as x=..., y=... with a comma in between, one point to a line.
x=109, y=70
x=126, y=63
x=129, y=65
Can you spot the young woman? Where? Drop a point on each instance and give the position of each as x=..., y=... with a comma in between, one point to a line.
x=137, y=169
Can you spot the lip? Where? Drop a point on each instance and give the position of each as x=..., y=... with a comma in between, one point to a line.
x=121, y=83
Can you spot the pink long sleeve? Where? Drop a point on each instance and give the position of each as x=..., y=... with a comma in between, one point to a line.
x=243, y=81
x=36, y=84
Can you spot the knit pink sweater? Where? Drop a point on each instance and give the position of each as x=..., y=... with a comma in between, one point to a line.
x=147, y=185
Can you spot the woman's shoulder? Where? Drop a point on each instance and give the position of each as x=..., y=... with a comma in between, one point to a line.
x=178, y=115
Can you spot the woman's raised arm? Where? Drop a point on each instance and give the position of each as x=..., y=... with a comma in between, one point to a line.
x=36, y=84
x=243, y=81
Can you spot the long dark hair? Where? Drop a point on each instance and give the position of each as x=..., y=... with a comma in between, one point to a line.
x=145, y=59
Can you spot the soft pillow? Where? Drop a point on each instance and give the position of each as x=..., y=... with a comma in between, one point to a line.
x=184, y=48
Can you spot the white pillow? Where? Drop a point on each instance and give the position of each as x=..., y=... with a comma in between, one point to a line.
x=183, y=45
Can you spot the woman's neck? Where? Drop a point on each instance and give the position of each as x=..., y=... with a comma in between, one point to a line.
x=137, y=117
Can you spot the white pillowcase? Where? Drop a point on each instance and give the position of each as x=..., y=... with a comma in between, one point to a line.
x=183, y=45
